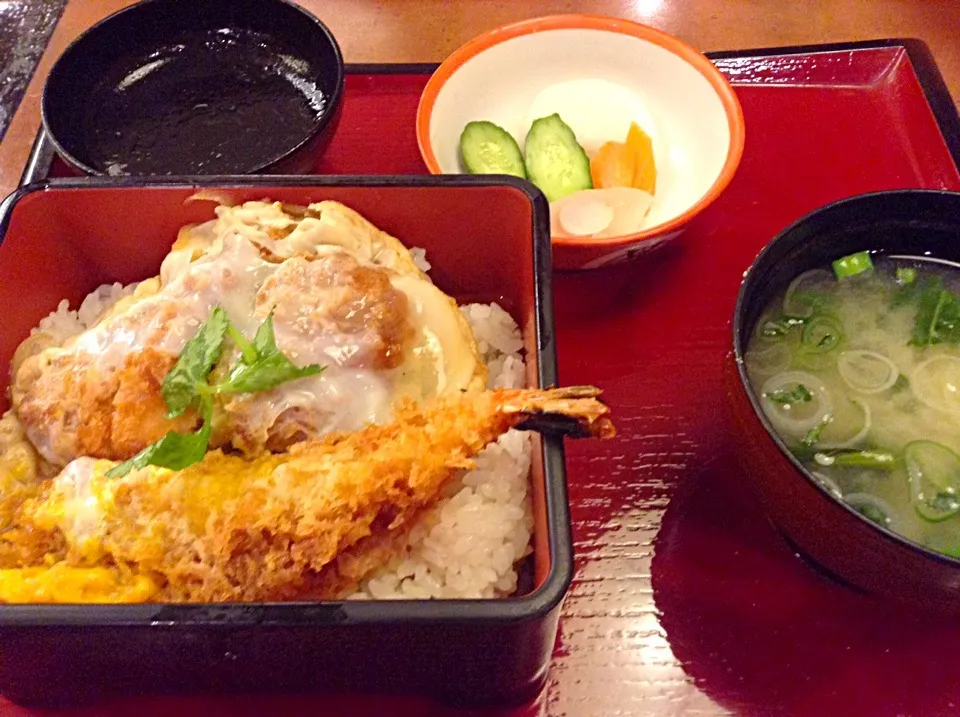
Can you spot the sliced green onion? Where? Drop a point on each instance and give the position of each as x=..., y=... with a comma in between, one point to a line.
x=768, y=361
x=852, y=265
x=871, y=508
x=821, y=334
x=872, y=512
x=813, y=435
x=906, y=275
x=804, y=295
x=856, y=440
x=933, y=383
x=867, y=371
x=934, y=473
x=876, y=460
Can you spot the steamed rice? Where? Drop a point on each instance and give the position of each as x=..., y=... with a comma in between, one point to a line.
x=63, y=323
x=469, y=544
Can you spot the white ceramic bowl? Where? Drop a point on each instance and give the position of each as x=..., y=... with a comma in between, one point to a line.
x=685, y=105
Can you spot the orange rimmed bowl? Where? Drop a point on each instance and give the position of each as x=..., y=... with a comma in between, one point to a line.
x=675, y=93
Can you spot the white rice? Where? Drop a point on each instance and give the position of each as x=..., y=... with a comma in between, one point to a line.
x=419, y=257
x=64, y=323
x=467, y=546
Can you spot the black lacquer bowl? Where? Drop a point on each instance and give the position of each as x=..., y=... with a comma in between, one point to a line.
x=191, y=87
x=916, y=223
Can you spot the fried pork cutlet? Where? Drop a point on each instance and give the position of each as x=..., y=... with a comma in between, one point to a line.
x=309, y=524
x=341, y=293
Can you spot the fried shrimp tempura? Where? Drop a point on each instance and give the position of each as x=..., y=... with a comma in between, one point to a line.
x=305, y=525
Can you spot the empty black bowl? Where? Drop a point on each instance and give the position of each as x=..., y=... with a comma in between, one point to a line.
x=838, y=538
x=196, y=87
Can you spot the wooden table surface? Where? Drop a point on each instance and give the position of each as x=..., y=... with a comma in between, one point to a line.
x=429, y=30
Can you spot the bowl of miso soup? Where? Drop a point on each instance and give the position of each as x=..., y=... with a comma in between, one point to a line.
x=845, y=389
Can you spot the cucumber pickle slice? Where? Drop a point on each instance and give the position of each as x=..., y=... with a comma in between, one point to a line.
x=555, y=160
x=486, y=148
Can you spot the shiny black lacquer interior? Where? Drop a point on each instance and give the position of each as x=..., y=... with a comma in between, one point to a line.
x=193, y=86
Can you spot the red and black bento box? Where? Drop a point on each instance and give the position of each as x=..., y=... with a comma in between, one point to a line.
x=488, y=240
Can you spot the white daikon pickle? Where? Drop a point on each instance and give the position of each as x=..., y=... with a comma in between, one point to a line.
x=600, y=213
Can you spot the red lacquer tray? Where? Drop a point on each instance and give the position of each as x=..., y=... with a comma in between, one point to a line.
x=685, y=599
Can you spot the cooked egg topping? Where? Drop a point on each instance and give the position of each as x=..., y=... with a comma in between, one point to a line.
x=79, y=505
x=61, y=583
x=342, y=294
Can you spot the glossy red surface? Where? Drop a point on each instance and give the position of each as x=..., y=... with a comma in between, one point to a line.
x=685, y=600
x=477, y=651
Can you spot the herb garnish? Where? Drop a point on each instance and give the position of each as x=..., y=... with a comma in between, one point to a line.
x=261, y=366
x=900, y=384
x=938, y=311
x=938, y=317
x=175, y=451
x=781, y=326
x=199, y=356
x=813, y=435
x=790, y=396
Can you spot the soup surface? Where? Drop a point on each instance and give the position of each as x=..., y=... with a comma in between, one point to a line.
x=212, y=102
x=857, y=367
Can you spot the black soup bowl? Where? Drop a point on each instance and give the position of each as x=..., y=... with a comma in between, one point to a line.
x=839, y=539
x=196, y=87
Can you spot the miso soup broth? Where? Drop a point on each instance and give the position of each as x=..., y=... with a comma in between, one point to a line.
x=857, y=367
